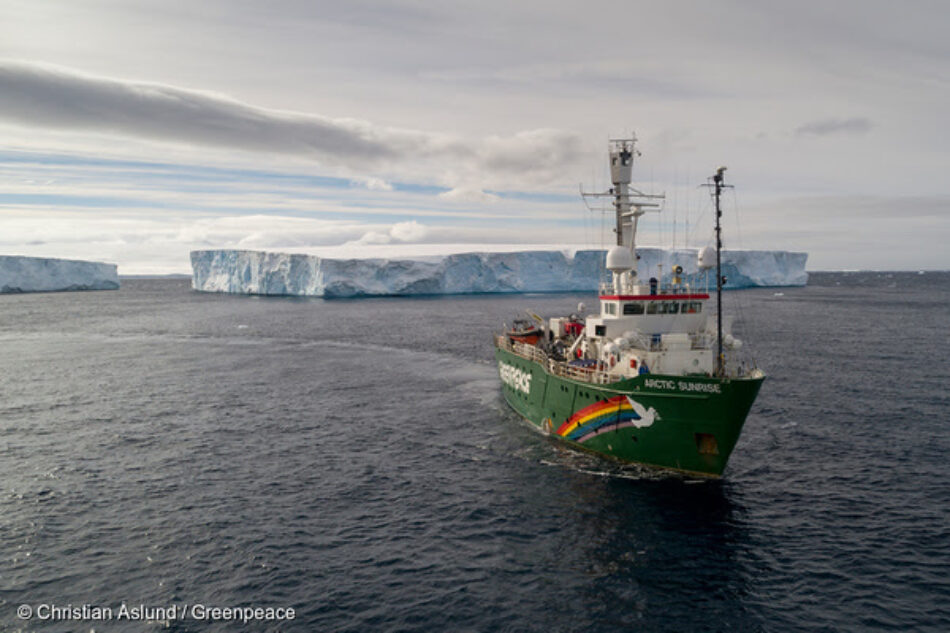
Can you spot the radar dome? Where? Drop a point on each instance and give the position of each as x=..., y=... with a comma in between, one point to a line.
x=706, y=258
x=619, y=259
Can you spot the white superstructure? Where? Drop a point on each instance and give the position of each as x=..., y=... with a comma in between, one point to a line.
x=643, y=326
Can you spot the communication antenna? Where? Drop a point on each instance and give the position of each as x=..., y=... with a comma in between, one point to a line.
x=718, y=185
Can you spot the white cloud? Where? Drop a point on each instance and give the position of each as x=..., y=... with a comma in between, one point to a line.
x=468, y=194
x=410, y=231
x=43, y=96
x=373, y=237
x=373, y=184
x=401, y=232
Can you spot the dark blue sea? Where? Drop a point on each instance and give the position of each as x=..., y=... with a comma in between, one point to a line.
x=355, y=461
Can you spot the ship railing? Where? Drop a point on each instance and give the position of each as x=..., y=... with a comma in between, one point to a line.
x=701, y=341
x=626, y=288
x=739, y=364
x=555, y=367
x=736, y=366
x=609, y=288
x=565, y=370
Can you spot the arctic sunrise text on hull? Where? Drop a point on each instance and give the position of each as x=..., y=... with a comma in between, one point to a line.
x=648, y=380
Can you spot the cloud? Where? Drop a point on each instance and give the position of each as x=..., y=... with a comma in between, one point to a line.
x=410, y=231
x=46, y=97
x=266, y=231
x=827, y=127
x=468, y=194
x=373, y=184
x=372, y=237
x=667, y=79
x=401, y=232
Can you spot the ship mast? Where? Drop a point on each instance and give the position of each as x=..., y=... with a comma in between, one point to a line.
x=719, y=186
x=621, y=170
x=629, y=203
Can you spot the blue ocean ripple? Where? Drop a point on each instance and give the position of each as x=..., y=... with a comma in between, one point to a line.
x=373, y=478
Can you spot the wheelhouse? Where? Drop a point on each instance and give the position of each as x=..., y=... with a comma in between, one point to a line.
x=621, y=305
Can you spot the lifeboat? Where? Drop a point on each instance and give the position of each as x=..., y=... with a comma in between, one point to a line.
x=525, y=331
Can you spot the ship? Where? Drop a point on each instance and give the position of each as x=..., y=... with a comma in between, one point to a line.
x=653, y=379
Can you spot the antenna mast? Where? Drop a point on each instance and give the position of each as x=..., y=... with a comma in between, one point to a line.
x=629, y=203
x=719, y=186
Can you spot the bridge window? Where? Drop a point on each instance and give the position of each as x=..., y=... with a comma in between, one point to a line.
x=651, y=307
x=673, y=308
x=633, y=308
x=693, y=307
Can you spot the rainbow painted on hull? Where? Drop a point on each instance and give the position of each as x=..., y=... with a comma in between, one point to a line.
x=612, y=414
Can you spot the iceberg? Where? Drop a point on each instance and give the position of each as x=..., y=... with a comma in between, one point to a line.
x=41, y=274
x=263, y=273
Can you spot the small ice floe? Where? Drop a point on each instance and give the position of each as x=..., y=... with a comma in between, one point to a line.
x=778, y=294
x=920, y=272
x=242, y=327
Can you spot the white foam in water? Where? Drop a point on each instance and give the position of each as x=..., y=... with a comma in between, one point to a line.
x=40, y=274
x=262, y=273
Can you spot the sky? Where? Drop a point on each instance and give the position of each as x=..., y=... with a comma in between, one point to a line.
x=135, y=131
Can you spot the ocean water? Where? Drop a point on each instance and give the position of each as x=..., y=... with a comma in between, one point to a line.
x=354, y=461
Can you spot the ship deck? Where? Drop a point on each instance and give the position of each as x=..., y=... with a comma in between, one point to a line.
x=594, y=375
x=554, y=367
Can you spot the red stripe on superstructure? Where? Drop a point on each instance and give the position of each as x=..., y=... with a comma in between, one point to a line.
x=654, y=297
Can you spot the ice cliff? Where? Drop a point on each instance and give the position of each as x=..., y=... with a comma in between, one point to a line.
x=40, y=274
x=261, y=273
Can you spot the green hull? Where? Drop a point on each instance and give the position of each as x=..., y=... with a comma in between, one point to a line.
x=688, y=424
